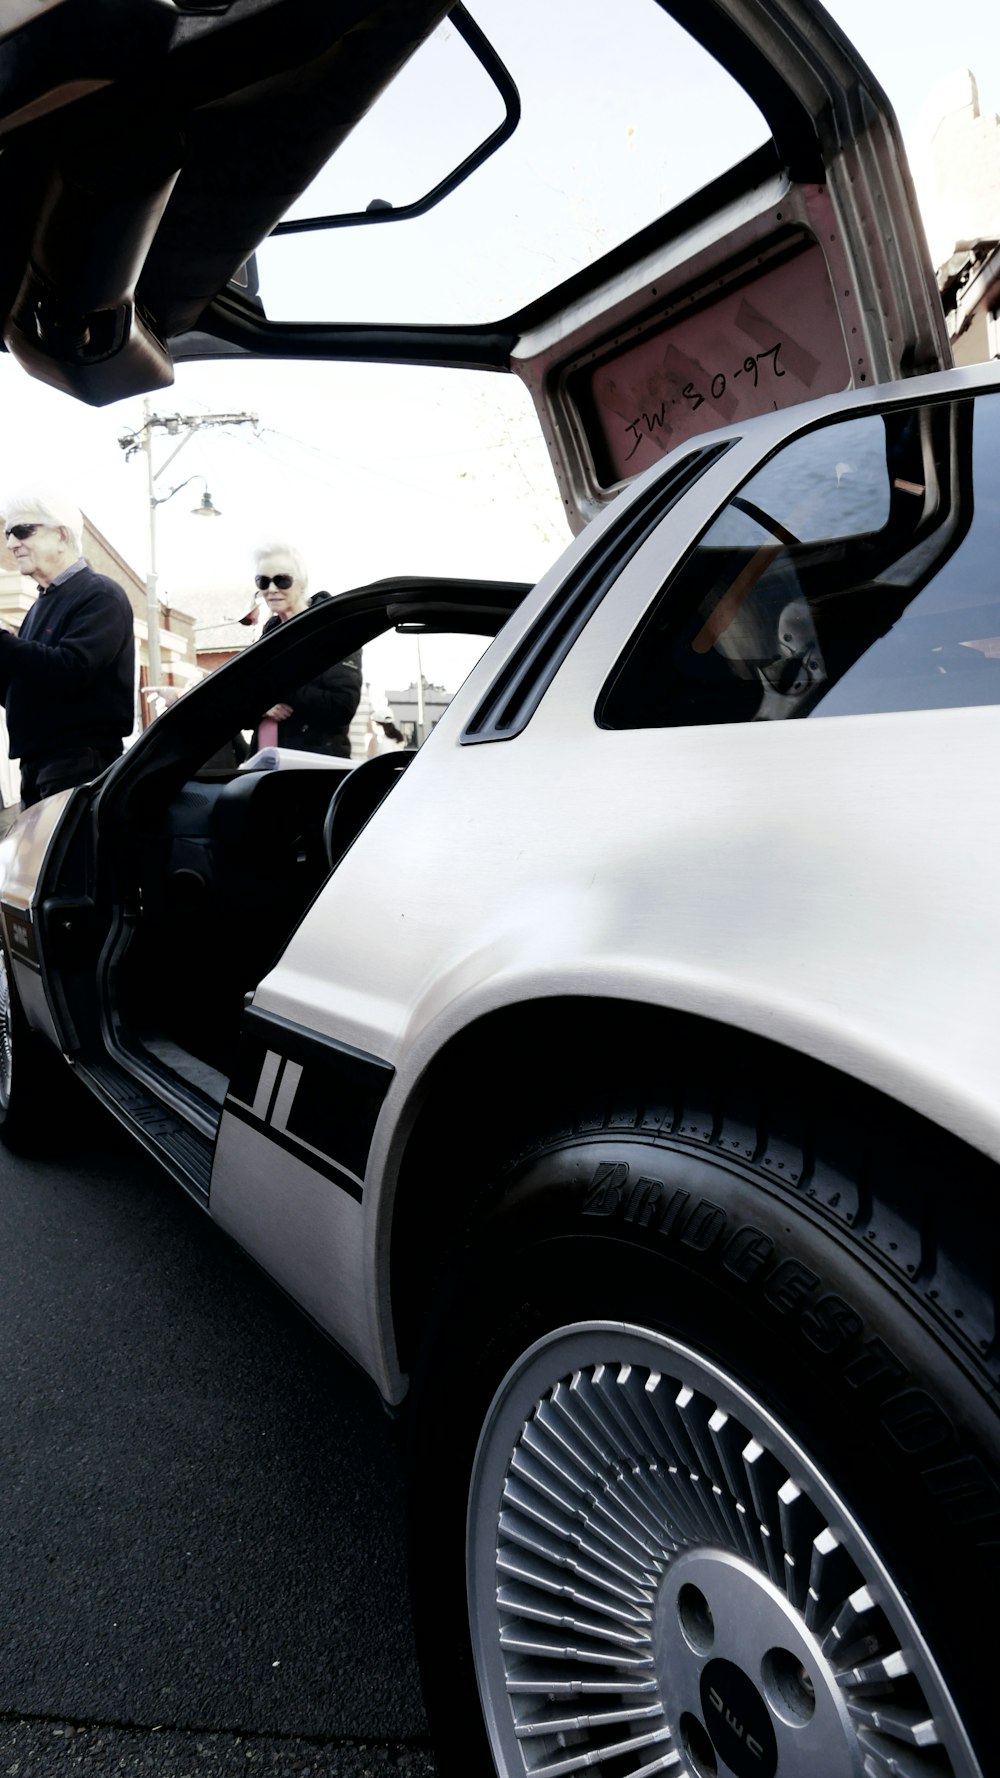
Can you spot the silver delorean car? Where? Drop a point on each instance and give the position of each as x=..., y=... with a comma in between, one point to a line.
x=640, y=1139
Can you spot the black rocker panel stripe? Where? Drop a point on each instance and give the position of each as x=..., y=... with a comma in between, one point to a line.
x=331, y=1119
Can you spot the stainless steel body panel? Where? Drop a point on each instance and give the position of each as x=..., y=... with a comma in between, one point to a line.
x=819, y=884
x=23, y=854
x=307, y=1232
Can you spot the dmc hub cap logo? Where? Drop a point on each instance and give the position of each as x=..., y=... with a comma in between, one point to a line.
x=738, y=1721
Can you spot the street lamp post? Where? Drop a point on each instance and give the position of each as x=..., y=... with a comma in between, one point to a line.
x=183, y=426
x=205, y=510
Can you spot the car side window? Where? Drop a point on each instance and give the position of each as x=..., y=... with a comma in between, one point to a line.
x=854, y=572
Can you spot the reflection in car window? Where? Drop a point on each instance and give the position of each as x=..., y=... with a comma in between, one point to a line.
x=832, y=483
x=855, y=572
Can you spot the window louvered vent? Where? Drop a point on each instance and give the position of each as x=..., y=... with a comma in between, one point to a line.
x=518, y=689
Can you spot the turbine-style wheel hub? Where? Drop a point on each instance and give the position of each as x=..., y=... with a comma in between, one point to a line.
x=661, y=1580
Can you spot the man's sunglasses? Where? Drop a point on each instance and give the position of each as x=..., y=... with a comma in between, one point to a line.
x=263, y=581
x=22, y=531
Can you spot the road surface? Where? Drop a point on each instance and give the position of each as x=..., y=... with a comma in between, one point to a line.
x=201, y=1566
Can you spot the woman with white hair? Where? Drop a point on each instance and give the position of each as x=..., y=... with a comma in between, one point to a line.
x=67, y=676
x=315, y=718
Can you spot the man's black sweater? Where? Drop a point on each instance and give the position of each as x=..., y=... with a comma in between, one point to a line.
x=68, y=679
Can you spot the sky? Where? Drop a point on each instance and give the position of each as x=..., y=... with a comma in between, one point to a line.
x=376, y=470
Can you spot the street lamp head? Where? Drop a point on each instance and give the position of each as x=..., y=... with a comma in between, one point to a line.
x=205, y=508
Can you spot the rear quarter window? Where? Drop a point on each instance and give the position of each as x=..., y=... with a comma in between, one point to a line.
x=856, y=571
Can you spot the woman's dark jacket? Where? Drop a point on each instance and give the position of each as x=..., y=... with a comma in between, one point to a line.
x=322, y=710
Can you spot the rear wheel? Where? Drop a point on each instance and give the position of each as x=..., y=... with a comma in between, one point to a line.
x=701, y=1484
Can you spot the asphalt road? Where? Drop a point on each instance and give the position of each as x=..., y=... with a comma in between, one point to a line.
x=201, y=1566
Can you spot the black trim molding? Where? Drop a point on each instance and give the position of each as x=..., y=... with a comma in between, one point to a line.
x=317, y=1099
x=20, y=931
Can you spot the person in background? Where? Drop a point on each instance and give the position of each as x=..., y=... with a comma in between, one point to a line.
x=67, y=677
x=316, y=717
x=385, y=736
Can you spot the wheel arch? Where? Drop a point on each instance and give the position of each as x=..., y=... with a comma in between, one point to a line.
x=496, y=1083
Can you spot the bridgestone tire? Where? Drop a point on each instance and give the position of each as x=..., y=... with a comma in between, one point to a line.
x=815, y=1288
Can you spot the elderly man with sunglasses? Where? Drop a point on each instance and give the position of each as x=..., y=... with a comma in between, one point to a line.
x=67, y=677
x=314, y=718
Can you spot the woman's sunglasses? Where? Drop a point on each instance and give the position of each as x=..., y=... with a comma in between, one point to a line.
x=281, y=581
x=21, y=531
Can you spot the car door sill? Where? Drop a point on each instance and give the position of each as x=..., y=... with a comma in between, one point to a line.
x=209, y=1083
x=185, y=1152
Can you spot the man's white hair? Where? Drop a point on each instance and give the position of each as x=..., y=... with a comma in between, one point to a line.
x=46, y=506
x=264, y=550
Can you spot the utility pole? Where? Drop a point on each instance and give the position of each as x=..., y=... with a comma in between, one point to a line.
x=182, y=427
